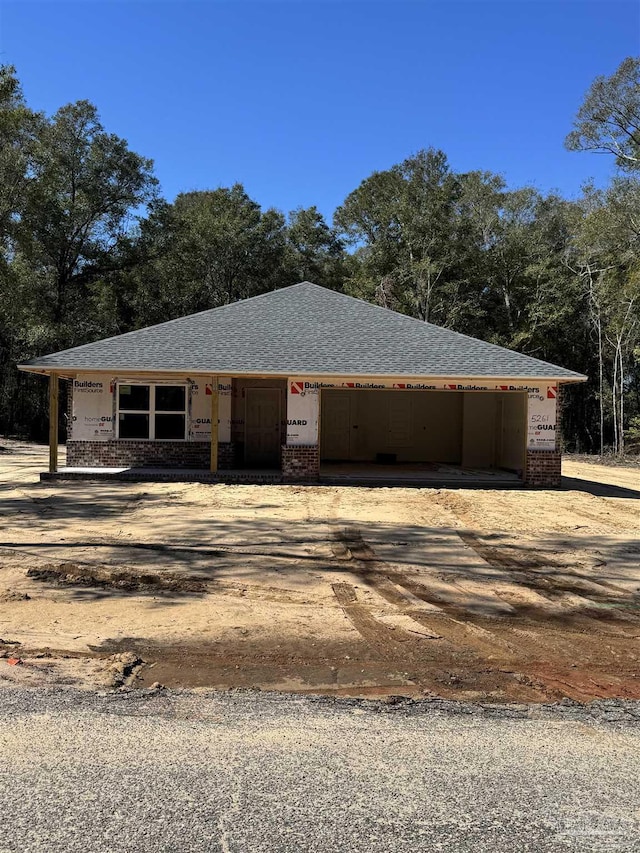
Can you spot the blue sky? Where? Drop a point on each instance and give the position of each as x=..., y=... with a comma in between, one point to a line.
x=301, y=100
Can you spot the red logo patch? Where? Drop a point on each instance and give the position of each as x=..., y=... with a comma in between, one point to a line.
x=451, y=387
x=208, y=390
x=297, y=387
x=552, y=392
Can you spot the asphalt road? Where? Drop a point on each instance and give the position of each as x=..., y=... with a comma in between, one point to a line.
x=167, y=771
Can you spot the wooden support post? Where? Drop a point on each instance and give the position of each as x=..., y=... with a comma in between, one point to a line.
x=53, y=422
x=214, y=424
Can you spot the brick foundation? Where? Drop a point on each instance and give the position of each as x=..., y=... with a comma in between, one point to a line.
x=227, y=455
x=301, y=461
x=543, y=468
x=124, y=453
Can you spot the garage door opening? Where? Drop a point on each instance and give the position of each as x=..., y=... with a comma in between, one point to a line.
x=426, y=435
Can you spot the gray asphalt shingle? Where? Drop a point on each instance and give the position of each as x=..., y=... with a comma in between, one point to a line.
x=302, y=330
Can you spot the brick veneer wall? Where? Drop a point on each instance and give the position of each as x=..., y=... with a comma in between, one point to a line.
x=149, y=454
x=227, y=455
x=301, y=461
x=543, y=468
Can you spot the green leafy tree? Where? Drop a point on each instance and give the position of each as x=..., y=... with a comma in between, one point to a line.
x=69, y=193
x=406, y=219
x=314, y=251
x=604, y=254
x=609, y=118
x=83, y=190
x=18, y=128
x=209, y=248
x=511, y=249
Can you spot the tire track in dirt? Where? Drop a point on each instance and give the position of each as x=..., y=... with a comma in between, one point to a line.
x=392, y=644
x=459, y=646
x=584, y=592
x=525, y=570
x=443, y=618
x=429, y=668
x=540, y=663
x=561, y=658
x=471, y=651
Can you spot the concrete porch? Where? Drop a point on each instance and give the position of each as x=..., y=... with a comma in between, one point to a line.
x=425, y=475
x=166, y=475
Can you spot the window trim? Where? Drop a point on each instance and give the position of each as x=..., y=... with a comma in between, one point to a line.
x=152, y=411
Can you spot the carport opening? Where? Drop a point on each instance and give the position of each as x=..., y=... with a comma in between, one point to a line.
x=422, y=431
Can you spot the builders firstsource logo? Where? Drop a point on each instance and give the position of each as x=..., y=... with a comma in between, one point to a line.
x=414, y=386
x=300, y=387
x=87, y=387
x=455, y=387
x=363, y=385
x=208, y=389
x=530, y=389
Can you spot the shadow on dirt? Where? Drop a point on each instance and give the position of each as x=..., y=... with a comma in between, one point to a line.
x=70, y=503
x=560, y=578
x=599, y=490
x=187, y=547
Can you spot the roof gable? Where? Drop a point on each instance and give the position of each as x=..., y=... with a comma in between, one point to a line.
x=301, y=330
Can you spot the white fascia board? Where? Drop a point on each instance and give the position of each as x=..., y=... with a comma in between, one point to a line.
x=119, y=371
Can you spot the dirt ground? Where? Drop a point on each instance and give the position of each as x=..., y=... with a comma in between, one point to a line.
x=518, y=595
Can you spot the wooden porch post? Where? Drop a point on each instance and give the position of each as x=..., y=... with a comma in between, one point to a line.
x=53, y=422
x=214, y=424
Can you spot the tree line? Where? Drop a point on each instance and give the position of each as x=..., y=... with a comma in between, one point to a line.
x=89, y=248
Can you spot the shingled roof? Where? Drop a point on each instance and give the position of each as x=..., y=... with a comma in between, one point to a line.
x=302, y=330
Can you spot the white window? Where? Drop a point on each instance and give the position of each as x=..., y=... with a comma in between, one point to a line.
x=155, y=412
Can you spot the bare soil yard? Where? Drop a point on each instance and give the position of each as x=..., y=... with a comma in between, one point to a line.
x=469, y=594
